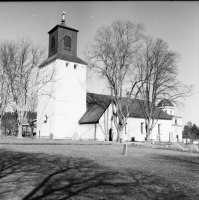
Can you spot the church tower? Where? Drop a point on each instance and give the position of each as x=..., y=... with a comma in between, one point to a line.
x=166, y=106
x=62, y=94
x=62, y=40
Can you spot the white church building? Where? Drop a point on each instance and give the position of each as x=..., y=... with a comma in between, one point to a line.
x=67, y=111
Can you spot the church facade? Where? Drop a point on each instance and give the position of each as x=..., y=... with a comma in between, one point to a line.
x=67, y=111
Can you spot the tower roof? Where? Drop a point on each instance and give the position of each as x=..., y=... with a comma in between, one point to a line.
x=64, y=57
x=165, y=102
x=62, y=26
x=62, y=44
x=98, y=103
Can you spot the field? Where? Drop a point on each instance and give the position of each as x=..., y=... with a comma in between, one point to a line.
x=86, y=170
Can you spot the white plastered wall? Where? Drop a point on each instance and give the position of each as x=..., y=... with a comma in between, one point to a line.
x=104, y=124
x=69, y=100
x=87, y=131
x=100, y=130
x=177, y=130
x=134, y=130
x=169, y=110
x=46, y=101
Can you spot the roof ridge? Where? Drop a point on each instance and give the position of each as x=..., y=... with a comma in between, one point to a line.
x=62, y=56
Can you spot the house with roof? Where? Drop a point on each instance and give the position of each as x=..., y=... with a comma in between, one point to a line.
x=66, y=110
x=176, y=123
x=97, y=121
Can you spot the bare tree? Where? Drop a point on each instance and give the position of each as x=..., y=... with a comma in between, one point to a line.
x=158, y=66
x=4, y=96
x=112, y=56
x=19, y=59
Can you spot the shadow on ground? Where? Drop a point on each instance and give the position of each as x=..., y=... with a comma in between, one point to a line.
x=30, y=176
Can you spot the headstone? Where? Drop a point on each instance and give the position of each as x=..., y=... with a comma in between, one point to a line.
x=75, y=136
x=195, y=142
x=51, y=136
x=194, y=148
x=152, y=141
x=184, y=141
x=125, y=149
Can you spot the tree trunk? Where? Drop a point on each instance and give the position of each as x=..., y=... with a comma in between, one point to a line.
x=148, y=129
x=120, y=134
x=148, y=134
x=107, y=137
x=19, y=135
x=118, y=137
x=107, y=124
x=1, y=132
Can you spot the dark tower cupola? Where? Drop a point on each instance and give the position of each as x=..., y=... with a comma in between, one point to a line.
x=62, y=44
x=62, y=39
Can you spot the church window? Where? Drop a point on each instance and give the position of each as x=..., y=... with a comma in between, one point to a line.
x=67, y=43
x=175, y=121
x=159, y=125
x=142, y=128
x=53, y=43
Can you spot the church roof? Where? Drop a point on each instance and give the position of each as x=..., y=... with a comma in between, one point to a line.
x=62, y=56
x=25, y=122
x=97, y=105
x=62, y=26
x=165, y=102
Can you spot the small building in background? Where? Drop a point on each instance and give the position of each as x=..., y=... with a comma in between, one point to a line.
x=97, y=123
x=176, y=123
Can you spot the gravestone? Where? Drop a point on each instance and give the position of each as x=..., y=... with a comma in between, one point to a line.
x=193, y=148
x=195, y=142
x=125, y=149
x=75, y=136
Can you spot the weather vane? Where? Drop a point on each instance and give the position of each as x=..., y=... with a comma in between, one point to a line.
x=63, y=16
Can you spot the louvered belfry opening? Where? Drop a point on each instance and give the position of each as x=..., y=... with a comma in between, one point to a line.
x=62, y=40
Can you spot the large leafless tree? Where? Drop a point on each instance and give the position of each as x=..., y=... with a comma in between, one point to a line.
x=19, y=60
x=4, y=96
x=112, y=56
x=158, y=66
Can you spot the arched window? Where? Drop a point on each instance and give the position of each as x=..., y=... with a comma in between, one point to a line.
x=67, y=43
x=53, y=43
x=159, y=125
x=142, y=128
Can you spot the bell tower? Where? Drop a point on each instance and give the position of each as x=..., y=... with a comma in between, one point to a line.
x=62, y=39
x=66, y=102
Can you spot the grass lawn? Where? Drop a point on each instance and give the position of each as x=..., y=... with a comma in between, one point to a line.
x=56, y=172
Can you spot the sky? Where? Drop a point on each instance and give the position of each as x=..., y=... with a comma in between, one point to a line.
x=176, y=22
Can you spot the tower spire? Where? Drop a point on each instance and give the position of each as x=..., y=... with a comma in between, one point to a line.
x=63, y=19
